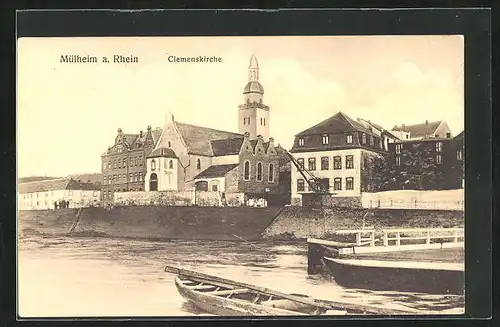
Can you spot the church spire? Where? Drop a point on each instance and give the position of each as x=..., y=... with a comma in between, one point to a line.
x=253, y=69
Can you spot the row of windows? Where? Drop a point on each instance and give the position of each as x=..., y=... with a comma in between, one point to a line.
x=133, y=177
x=439, y=159
x=70, y=193
x=258, y=173
x=122, y=163
x=325, y=163
x=439, y=147
x=170, y=164
x=247, y=121
x=325, y=140
x=337, y=184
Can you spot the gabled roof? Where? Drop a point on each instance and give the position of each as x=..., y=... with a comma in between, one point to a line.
x=216, y=171
x=198, y=139
x=87, y=178
x=386, y=132
x=226, y=147
x=460, y=135
x=337, y=123
x=156, y=133
x=162, y=152
x=253, y=143
x=56, y=185
x=130, y=138
x=419, y=130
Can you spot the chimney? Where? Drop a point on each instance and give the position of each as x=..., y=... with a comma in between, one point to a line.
x=149, y=127
x=141, y=133
x=426, y=122
x=247, y=135
x=120, y=131
x=271, y=142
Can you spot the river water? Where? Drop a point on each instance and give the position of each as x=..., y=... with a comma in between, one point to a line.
x=102, y=277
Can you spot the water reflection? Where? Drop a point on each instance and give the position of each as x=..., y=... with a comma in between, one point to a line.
x=83, y=276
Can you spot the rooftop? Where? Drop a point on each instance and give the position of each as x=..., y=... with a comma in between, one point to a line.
x=216, y=171
x=67, y=183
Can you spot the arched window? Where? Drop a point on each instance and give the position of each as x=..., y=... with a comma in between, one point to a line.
x=259, y=171
x=246, y=174
x=153, y=164
x=153, y=182
x=198, y=164
x=171, y=164
x=271, y=173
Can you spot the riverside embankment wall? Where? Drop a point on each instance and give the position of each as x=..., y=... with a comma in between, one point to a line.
x=300, y=222
x=153, y=222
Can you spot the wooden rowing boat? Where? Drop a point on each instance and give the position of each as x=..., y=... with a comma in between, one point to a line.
x=401, y=276
x=230, y=298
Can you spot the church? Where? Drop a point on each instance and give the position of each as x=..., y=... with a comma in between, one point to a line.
x=189, y=157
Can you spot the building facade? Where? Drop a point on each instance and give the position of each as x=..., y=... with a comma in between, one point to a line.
x=427, y=164
x=124, y=163
x=437, y=129
x=337, y=151
x=189, y=157
x=44, y=195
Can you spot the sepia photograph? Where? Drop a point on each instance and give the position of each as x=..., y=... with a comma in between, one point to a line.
x=163, y=176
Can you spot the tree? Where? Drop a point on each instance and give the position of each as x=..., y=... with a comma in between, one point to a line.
x=419, y=169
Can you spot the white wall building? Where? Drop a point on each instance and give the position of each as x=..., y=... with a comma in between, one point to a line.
x=41, y=195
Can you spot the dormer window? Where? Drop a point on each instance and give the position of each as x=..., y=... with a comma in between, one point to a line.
x=349, y=139
x=301, y=142
x=324, y=139
x=363, y=138
x=371, y=140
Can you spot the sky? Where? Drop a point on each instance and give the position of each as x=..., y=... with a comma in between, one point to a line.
x=68, y=113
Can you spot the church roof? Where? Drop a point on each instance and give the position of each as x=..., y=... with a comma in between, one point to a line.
x=337, y=123
x=163, y=152
x=216, y=171
x=419, y=130
x=66, y=183
x=253, y=87
x=198, y=139
x=226, y=147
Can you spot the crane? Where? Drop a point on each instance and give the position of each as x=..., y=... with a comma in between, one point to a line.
x=314, y=182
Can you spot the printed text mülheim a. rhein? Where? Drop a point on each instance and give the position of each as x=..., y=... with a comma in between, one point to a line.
x=84, y=59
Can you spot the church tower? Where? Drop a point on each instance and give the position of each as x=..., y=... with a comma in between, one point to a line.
x=253, y=115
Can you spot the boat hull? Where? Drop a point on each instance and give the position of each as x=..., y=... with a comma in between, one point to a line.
x=222, y=306
x=381, y=278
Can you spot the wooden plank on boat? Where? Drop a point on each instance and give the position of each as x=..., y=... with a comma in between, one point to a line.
x=394, y=248
x=227, y=292
x=201, y=287
x=399, y=264
x=190, y=273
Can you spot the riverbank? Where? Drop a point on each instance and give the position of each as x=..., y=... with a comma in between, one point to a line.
x=216, y=223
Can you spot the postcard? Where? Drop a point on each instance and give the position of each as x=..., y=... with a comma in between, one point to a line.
x=240, y=176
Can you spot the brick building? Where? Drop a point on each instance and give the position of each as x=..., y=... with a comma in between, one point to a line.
x=124, y=163
x=189, y=157
x=336, y=151
x=428, y=163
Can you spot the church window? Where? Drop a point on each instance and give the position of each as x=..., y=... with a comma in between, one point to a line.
x=259, y=171
x=271, y=173
x=325, y=163
x=300, y=161
x=153, y=164
x=301, y=142
x=349, y=162
x=312, y=163
x=349, y=139
x=261, y=121
x=169, y=144
x=198, y=164
x=249, y=121
x=171, y=164
x=264, y=122
x=246, y=173
x=300, y=185
x=363, y=138
x=349, y=183
x=325, y=139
